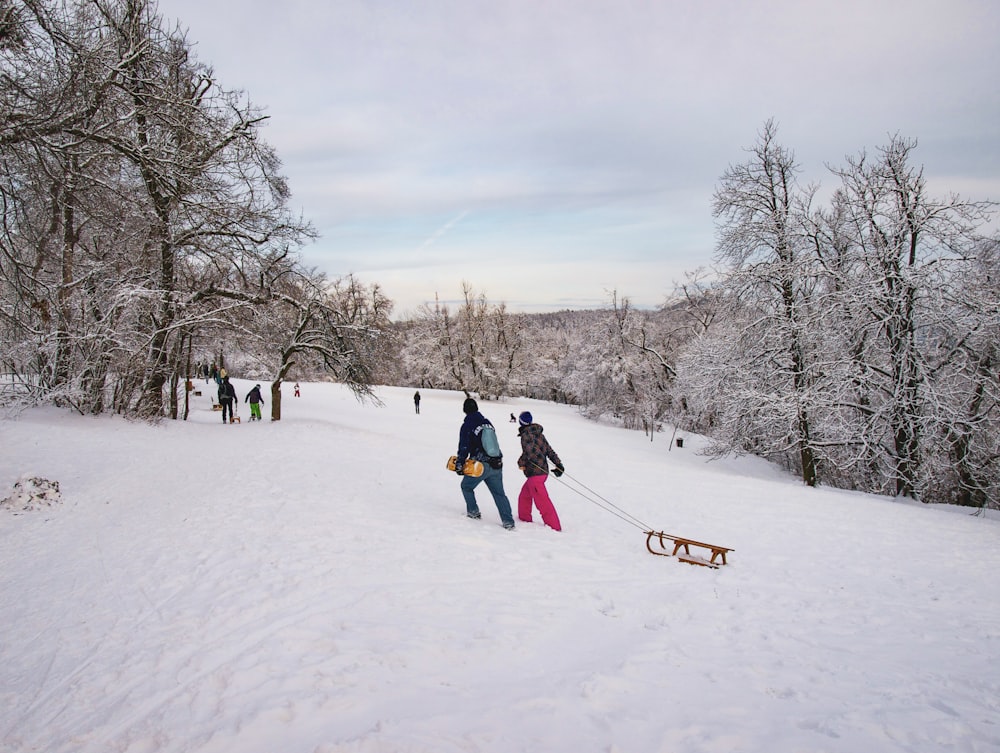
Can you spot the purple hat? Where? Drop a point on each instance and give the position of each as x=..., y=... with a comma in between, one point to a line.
x=524, y=419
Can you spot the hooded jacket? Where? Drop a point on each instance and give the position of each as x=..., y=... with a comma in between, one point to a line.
x=470, y=443
x=535, y=450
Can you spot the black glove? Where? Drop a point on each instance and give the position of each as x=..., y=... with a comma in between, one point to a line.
x=558, y=471
x=460, y=467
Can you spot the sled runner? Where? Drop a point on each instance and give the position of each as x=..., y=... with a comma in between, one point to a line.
x=472, y=467
x=682, y=549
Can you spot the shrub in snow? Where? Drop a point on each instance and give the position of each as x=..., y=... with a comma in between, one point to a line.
x=32, y=493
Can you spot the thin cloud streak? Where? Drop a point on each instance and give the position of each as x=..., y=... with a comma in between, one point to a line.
x=442, y=230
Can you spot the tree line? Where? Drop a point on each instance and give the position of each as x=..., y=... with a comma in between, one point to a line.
x=146, y=228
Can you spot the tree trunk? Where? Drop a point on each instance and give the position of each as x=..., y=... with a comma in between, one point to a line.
x=276, y=400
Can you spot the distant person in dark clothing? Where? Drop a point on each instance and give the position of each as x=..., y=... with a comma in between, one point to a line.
x=416, y=402
x=253, y=397
x=227, y=396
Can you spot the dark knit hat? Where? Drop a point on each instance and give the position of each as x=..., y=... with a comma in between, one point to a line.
x=470, y=405
x=524, y=419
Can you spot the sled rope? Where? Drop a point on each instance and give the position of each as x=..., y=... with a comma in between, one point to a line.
x=605, y=504
x=681, y=546
x=596, y=499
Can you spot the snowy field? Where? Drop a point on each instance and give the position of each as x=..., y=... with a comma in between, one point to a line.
x=313, y=586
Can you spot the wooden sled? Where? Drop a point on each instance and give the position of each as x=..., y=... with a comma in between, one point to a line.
x=681, y=549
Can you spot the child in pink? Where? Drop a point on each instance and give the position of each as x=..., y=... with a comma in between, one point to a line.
x=535, y=454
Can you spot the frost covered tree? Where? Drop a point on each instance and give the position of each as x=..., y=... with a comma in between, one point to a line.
x=760, y=208
x=210, y=185
x=910, y=260
x=623, y=363
x=297, y=319
x=862, y=335
x=340, y=328
x=551, y=343
x=964, y=466
x=477, y=348
x=139, y=195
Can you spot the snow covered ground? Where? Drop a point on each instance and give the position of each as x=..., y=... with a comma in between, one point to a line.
x=314, y=586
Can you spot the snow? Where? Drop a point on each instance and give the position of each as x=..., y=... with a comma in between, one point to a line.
x=314, y=586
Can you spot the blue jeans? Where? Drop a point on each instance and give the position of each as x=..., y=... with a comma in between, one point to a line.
x=494, y=482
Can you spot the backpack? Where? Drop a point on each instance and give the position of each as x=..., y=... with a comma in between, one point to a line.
x=491, y=446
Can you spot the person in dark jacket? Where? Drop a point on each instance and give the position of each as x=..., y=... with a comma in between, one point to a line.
x=470, y=445
x=535, y=454
x=227, y=396
x=416, y=402
x=253, y=397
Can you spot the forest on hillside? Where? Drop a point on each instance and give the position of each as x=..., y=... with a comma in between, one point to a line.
x=147, y=230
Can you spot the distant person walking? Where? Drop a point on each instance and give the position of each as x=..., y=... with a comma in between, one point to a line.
x=296, y=389
x=470, y=445
x=227, y=396
x=253, y=397
x=535, y=454
x=416, y=402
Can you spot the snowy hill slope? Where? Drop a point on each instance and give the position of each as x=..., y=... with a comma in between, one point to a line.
x=313, y=585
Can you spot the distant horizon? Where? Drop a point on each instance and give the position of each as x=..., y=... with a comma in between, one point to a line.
x=455, y=303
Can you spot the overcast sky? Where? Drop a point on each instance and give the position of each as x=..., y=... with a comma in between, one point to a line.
x=549, y=152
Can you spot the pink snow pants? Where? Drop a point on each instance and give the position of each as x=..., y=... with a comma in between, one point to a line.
x=534, y=491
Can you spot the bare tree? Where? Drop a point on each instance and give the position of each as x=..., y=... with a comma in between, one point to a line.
x=316, y=327
x=136, y=191
x=478, y=349
x=760, y=208
x=908, y=252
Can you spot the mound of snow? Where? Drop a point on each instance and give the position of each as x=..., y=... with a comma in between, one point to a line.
x=32, y=493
